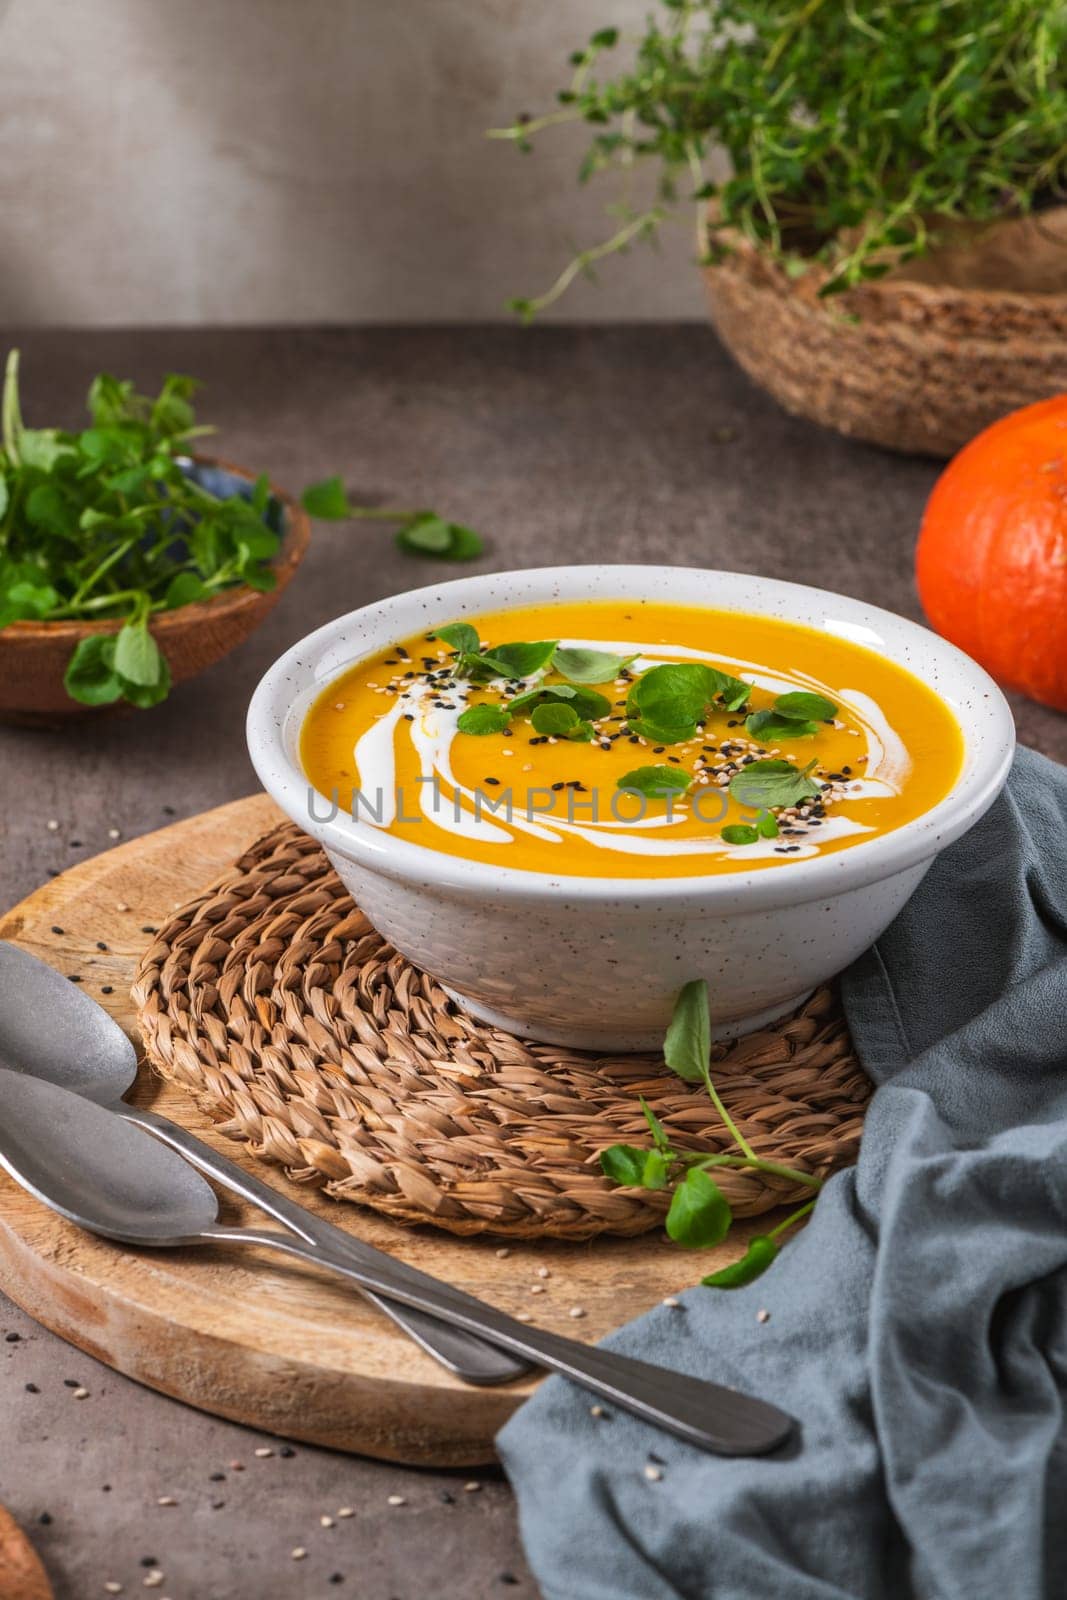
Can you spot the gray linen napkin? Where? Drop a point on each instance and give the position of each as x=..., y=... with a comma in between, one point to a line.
x=918, y=1325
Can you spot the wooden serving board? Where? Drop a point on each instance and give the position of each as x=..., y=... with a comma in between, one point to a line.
x=244, y=1334
x=22, y=1576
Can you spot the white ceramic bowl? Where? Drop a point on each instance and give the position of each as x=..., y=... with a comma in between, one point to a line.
x=596, y=962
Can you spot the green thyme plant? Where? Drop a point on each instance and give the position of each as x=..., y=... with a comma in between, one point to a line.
x=852, y=128
x=699, y=1215
x=109, y=524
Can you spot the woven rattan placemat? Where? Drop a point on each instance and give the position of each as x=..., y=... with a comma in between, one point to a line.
x=276, y=1004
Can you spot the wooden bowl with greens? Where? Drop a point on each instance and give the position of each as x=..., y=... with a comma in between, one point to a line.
x=127, y=563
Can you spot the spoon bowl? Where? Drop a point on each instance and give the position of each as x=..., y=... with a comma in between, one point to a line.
x=51, y=1029
x=97, y=1170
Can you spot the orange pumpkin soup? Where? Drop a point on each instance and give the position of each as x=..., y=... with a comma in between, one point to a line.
x=626, y=738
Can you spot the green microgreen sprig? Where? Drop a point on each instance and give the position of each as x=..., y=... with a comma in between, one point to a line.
x=699, y=1214
x=854, y=129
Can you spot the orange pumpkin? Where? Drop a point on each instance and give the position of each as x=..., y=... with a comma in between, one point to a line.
x=992, y=558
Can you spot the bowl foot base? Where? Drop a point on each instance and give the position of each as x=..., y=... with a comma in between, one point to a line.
x=611, y=1041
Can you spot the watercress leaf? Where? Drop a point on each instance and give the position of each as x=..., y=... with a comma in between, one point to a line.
x=555, y=717
x=655, y=782
x=44, y=448
x=460, y=635
x=739, y=833
x=624, y=1163
x=145, y=695
x=733, y=692
x=768, y=726
x=773, y=783
x=483, y=719
x=259, y=499
x=90, y=677
x=327, y=500
x=429, y=534
x=656, y=1128
x=522, y=660
x=26, y=600
x=687, y=1045
x=767, y=825
x=171, y=411
x=672, y=694
x=542, y=692
x=137, y=657
x=184, y=589
x=464, y=544
x=761, y=1251
x=801, y=703
x=588, y=666
x=655, y=1171
x=657, y=734
x=426, y=534
x=699, y=1214
x=257, y=575
x=111, y=400
x=48, y=508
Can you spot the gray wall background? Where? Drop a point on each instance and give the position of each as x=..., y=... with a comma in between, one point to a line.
x=301, y=161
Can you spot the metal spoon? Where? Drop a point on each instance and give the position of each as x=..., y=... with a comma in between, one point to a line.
x=110, y=1177
x=50, y=1029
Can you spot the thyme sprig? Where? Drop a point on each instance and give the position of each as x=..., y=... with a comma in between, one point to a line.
x=854, y=129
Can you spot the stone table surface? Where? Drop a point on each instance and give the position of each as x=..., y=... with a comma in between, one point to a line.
x=563, y=445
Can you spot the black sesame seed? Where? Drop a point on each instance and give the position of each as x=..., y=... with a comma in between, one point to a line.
x=494, y=781
x=446, y=1499
x=100, y=945
x=106, y=988
x=12, y=1338
x=560, y=785
x=287, y=1451
x=45, y=1519
x=75, y=977
x=31, y=1388
x=72, y=1383
x=58, y=930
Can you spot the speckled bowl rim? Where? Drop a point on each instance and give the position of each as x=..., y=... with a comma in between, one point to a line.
x=282, y=698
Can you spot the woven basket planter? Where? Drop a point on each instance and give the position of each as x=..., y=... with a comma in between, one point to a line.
x=921, y=360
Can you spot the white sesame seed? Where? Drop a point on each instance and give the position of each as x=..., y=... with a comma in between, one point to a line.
x=596, y=1411
x=80, y=1394
x=53, y=825
x=653, y=1474
x=537, y=1288
x=763, y=1316
x=346, y=1511
x=153, y=1580
x=339, y=705
x=122, y=906
x=396, y=1500
x=299, y=1553
x=471, y=1488
x=112, y=1588
x=326, y=1522
x=503, y=1253
x=114, y=833
x=264, y=1451
x=543, y=1272
x=671, y=1300
x=523, y=1316
x=576, y=1312
x=166, y=1500
x=507, y=752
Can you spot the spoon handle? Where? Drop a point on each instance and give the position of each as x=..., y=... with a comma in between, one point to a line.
x=463, y=1353
x=705, y=1414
